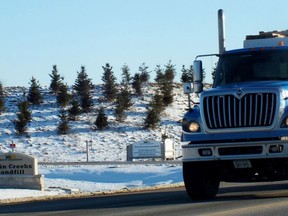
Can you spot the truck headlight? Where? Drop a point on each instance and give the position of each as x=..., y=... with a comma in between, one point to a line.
x=194, y=126
x=285, y=122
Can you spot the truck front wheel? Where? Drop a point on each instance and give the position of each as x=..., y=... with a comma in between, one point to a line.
x=201, y=180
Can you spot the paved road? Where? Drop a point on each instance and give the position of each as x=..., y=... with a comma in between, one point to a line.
x=233, y=199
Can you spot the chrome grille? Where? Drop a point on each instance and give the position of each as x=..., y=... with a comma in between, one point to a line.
x=228, y=111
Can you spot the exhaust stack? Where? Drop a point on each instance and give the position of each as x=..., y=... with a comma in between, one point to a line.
x=221, y=31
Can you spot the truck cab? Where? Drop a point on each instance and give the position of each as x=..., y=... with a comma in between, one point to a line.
x=239, y=130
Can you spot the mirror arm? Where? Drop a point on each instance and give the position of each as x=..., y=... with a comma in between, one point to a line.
x=206, y=55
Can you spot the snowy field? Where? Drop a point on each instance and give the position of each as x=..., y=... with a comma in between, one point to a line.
x=110, y=144
x=97, y=179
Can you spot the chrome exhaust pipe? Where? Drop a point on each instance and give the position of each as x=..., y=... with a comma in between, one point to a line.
x=221, y=31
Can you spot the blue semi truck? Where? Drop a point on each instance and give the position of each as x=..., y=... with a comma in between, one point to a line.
x=238, y=132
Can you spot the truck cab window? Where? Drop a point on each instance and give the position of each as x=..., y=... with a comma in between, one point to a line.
x=252, y=66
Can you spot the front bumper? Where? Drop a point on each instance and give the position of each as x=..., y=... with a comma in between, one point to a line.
x=235, y=151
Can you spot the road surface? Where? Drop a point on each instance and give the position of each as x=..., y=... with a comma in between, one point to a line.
x=232, y=199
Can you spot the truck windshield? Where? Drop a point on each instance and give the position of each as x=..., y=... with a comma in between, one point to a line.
x=252, y=66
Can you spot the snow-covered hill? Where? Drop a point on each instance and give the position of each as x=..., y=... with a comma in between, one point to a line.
x=110, y=144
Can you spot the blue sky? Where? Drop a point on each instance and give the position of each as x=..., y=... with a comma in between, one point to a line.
x=36, y=34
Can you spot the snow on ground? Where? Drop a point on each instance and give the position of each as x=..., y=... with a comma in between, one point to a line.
x=63, y=180
x=107, y=145
x=110, y=144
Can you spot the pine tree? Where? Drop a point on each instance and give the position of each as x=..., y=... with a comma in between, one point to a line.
x=124, y=97
x=23, y=117
x=170, y=72
x=83, y=83
x=167, y=88
x=23, y=107
x=157, y=103
x=101, y=120
x=126, y=76
x=140, y=79
x=156, y=107
x=63, y=127
x=109, y=87
x=20, y=124
x=123, y=102
x=160, y=78
x=2, y=98
x=83, y=87
x=63, y=96
x=86, y=102
x=137, y=84
x=34, y=95
x=164, y=80
x=74, y=110
x=56, y=80
x=187, y=74
x=144, y=73
x=152, y=119
x=120, y=113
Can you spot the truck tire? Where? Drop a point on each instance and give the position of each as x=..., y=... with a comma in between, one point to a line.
x=201, y=180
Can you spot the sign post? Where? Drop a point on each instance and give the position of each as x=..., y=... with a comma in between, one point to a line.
x=13, y=146
x=87, y=150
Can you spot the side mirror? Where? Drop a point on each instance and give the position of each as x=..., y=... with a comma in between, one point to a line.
x=197, y=76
